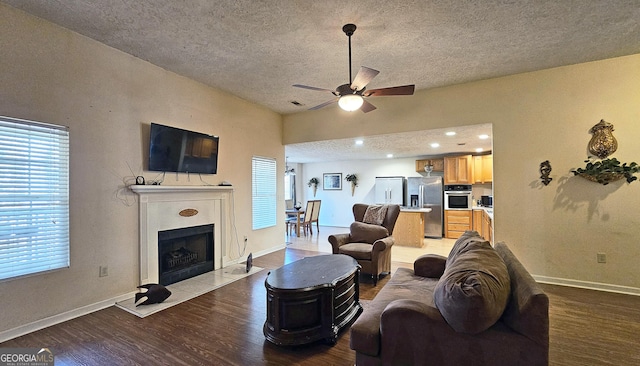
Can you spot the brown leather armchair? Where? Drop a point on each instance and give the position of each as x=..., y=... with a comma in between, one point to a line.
x=368, y=243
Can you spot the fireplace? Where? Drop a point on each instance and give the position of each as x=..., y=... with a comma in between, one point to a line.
x=169, y=208
x=184, y=253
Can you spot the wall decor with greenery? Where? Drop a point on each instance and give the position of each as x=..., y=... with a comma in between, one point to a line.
x=313, y=183
x=607, y=171
x=353, y=179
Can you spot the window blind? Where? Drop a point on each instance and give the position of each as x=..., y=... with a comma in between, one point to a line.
x=263, y=192
x=34, y=197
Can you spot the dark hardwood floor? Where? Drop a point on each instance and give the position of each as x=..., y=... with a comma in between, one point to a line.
x=224, y=327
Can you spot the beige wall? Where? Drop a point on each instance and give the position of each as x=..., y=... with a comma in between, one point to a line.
x=108, y=99
x=558, y=229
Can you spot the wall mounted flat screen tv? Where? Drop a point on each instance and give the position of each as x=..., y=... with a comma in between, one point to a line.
x=176, y=150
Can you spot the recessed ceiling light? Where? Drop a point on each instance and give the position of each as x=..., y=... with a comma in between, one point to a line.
x=483, y=137
x=479, y=149
x=435, y=144
x=389, y=155
x=450, y=133
x=359, y=142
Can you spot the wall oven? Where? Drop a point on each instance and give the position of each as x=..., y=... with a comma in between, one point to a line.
x=457, y=197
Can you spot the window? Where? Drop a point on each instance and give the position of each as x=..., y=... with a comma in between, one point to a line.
x=290, y=187
x=34, y=197
x=263, y=192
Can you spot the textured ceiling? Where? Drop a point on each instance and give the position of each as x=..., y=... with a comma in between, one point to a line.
x=258, y=49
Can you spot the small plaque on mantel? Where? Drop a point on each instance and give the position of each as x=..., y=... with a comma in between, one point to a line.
x=188, y=212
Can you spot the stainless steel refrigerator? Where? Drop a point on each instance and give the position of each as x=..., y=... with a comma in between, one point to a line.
x=427, y=193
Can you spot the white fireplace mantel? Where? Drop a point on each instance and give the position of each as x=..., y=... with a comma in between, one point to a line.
x=163, y=208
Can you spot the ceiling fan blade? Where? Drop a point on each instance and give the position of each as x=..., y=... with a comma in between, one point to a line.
x=311, y=88
x=394, y=90
x=363, y=77
x=323, y=104
x=367, y=107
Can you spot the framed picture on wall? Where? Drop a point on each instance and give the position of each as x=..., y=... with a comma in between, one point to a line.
x=331, y=181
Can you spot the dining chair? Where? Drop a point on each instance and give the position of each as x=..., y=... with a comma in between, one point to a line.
x=305, y=222
x=315, y=214
x=306, y=218
x=290, y=223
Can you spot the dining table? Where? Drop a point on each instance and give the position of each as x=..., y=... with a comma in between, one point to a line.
x=298, y=214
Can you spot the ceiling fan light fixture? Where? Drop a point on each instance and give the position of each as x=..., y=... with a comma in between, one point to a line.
x=350, y=102
x=351, y=94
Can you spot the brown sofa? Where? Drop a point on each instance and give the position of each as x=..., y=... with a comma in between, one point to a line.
x=479, y=306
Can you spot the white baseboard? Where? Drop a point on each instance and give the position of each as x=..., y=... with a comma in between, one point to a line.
x=255, y=255
x=71, y=314
x=62, y=317
x=588, y=285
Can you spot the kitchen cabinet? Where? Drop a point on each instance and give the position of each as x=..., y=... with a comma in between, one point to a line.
x=477, y=220
x=482, y=223
x=487, y=228
x=409, y=229
x=438, y=165
x=456, y=222
x=389, y=190
x=483, y=169
x=458, y=169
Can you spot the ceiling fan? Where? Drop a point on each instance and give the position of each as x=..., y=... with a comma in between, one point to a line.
x=350, y=97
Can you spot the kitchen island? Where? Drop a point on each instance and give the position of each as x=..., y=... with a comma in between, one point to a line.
x=409, y=229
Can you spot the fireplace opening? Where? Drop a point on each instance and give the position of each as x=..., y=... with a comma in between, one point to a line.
x=184, y=253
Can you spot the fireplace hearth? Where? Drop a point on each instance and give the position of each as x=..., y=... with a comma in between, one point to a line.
x=184, y=253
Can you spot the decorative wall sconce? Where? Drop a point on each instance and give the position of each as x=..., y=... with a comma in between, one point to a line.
x=602, y=143
x=605, y=171
x=545, y=170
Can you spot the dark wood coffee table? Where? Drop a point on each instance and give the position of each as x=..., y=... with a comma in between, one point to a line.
x=312, y=299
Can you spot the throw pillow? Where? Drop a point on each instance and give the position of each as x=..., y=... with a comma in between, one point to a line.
x=375, y=214
x=462, y=244
x=474, y=289
x=367, y=233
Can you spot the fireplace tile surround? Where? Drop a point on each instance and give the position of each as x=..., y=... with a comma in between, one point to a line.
x=162, y=208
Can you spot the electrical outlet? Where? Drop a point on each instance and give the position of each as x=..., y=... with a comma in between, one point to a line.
x=104, y=271
x=602, y=257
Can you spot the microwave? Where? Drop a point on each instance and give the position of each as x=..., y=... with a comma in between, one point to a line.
x=486, y=201
x=457, y=197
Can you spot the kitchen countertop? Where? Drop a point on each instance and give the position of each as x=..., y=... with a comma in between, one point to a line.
x=415, y=209
x=488, y=210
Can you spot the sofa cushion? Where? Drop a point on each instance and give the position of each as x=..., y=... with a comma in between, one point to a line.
x=429, y=265
x=528, y=309
x=367, y=233
x=359, y=251
x=365, y=332
x=474, y=289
